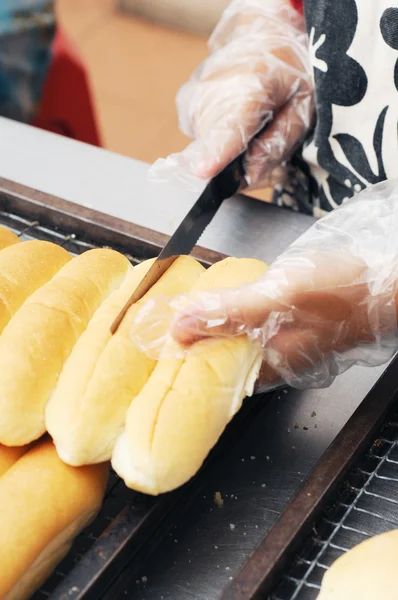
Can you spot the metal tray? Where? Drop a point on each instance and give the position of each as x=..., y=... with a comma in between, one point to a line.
x=350, y=495
x=130, y=526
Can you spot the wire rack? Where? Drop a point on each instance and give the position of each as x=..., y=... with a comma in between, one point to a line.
x=130, y=525
x=32, y=230
x=365, y=505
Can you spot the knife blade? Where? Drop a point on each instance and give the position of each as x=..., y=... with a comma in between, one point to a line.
x=222, y=186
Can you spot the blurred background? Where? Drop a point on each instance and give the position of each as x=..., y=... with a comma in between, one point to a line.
x=110, y=75
x=137, y=54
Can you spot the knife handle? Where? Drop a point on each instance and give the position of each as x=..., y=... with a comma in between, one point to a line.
x=232, y=178
x=229, y=181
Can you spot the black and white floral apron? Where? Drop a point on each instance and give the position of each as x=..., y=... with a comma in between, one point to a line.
x=354, y=54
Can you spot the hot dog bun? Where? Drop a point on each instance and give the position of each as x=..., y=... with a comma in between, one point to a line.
x=103, y=374
x=366, y=572
x=181, y=412
x=24, y=268
x=9, y=456
x=44, y=504
x=7, y=237
x=41, y=335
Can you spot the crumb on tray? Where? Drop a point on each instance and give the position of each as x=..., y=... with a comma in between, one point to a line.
x=218, y=500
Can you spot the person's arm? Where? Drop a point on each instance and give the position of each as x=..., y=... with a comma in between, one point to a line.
x=257, y=74
x=329, y=302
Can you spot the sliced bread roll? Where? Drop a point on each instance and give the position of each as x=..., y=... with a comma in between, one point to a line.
x=7, y=238
x=39, y=338
x=44, y=504
x=366, y=572
x=24, y=268
x=103, y=374
x=181, y=412
x=9, y=456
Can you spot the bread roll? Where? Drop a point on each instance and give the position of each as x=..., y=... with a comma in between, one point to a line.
x=181, y=412
x=7, y=238
x=367, y=572
x=44, y=504
x=9, y=456
x=104, y=373
x=24, y=268
x=39, y=338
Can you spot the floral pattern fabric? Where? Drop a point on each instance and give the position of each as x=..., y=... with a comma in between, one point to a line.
x=354, y=54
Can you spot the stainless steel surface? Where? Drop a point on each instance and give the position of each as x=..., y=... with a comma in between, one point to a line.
x=222, y=186
x=256, y=480
x=366, y=506
x=255, y=489
x=118, y=186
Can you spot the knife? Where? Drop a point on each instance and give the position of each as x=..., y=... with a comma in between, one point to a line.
x=222, y=186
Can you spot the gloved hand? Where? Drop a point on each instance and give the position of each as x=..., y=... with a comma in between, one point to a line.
x=327, y=303
x=257, y=74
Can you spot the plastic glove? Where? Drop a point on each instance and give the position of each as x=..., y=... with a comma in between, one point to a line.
x=257, y=74
x=327, y=303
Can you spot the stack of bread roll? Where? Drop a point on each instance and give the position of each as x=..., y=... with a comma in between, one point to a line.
x=99, y=397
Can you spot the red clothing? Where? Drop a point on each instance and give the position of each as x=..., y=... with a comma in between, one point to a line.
x=297, y=4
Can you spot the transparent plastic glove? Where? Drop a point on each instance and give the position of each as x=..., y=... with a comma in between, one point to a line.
x=257, y=74
x=327, y=303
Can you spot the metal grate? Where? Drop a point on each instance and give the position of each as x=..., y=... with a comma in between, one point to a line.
x=117, y=495
x=130, y=525
x=28, y=230
x=365, y=505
